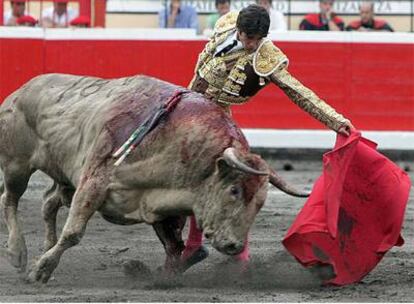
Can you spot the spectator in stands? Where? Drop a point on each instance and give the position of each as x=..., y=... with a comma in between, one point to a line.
x=178, y=15
x=325, y=20
x=277, y=20
x=59, y=15
x=17, y=10
x=222, y=8
x=367, y=21
x=81, y=21
x=26, y=20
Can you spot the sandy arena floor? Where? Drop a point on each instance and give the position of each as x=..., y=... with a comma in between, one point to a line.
x=93, y=270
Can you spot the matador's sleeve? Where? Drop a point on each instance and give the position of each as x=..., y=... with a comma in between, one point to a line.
x=308, y=100
x=270, y=62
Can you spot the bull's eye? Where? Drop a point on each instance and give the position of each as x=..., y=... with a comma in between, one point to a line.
x=234, y=191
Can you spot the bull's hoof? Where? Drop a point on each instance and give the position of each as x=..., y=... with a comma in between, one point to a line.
x=42, y=270
x=38, y=276
x=200, y=254
x=18, y=260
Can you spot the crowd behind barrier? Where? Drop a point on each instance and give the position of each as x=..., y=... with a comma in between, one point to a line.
x=60, y=14
x=398, y=14
x=184, y=14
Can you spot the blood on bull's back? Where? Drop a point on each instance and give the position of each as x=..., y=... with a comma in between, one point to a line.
x=71, y=113
x=195, y=161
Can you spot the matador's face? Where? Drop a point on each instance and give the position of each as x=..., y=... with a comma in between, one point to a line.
x=250, y=43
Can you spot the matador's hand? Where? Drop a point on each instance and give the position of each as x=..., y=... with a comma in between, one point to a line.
x=346, y=128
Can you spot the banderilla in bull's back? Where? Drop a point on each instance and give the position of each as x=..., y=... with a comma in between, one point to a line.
x=194, y=160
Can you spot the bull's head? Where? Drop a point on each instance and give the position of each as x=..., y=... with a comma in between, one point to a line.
x=237, y=191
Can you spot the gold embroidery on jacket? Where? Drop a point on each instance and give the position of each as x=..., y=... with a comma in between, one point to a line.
x=237, y=77
x=226, y=22
x=268, y=58
x=214, y=71
x=232, y=89
x=227, y=75
x=307, y=100
x=228, y=100
x=224, y=74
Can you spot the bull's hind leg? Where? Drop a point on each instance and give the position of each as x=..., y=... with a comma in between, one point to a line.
x=55, y=197
x=87, y=199
x=16, y=178
x=169, y=232
x=50, y=208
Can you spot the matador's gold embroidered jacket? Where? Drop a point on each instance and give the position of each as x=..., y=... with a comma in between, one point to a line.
x=235, y=77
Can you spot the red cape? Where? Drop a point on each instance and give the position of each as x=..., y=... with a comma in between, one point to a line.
x=354, y=213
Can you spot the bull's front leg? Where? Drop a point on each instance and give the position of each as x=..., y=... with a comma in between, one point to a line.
x=87, y=199
x=169, y=231
x=16, y=179
x=57, y=196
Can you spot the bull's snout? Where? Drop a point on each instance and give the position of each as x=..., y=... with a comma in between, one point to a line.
x=233, y=248
x=229, y=247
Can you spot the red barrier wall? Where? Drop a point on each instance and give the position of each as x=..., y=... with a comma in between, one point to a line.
x=20, y=60
x=371, y=83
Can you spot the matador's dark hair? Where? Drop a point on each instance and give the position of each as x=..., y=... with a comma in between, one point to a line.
x=253, y=20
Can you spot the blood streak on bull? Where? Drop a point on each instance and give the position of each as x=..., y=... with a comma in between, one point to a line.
x=72, y=136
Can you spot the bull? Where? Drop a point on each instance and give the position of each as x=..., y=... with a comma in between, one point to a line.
x=196, y=161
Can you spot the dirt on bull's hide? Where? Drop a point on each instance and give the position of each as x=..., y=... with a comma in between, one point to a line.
x=119, y=263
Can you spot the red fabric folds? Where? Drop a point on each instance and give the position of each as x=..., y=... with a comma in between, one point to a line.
x=354, y=213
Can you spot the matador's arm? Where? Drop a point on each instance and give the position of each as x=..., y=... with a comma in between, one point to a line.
x=309, y=101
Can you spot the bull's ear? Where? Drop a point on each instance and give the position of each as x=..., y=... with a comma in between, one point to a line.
x=222, y=167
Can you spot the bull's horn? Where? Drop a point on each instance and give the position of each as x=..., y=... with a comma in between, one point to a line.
x=279, y=183
x=231, y=159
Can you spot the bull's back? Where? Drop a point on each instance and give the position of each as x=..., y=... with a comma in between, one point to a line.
x=68, y=114
x=86, y=100
x=58, y=117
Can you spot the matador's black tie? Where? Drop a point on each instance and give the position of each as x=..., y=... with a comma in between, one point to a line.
x=226, y=49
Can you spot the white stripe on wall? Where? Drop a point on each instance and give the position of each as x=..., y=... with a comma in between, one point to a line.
x=190, y=34
x=321, y=139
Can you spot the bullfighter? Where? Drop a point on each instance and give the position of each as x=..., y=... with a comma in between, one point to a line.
x=237, y=62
